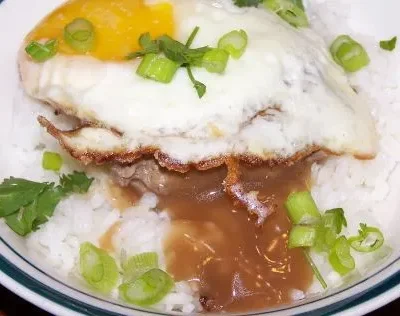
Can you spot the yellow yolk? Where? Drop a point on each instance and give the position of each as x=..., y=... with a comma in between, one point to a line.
x=118, y=25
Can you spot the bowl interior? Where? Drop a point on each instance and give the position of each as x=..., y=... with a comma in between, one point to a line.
x=369, y=19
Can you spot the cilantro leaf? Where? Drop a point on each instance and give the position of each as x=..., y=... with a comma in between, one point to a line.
x=199, y=86
x=46, y=204
x=146, y=42
x=21, y=221
x=389, y=44
x=175, y=51
x=148, y=45
x=247, y=3
x=30, y=217
x=191, y=37
x=195, y=55
x=172, y=49
x=16, y=193
x=179, y=52
x=76, y=182
x=26, y=205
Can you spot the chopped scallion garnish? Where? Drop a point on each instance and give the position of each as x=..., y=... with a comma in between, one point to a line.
x=41, y=52
x=157, y=67
x=335, y=219
x=215, y=60
x=368, y=240
x=98, y=268
x=325, y=238
x=234, y=42
x=302, y=209
x=298, y=3
x=80, y=35
x=302, y=236
x=340, y=257
x=176, y=54
x=389, y=44
x=348, y=53
x=148, y=289
x=331, y=225
x=288, y=11
x=137, y=265
x=51, y=161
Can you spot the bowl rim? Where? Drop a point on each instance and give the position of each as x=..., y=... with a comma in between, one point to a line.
x=381, y=291
x=384, y=290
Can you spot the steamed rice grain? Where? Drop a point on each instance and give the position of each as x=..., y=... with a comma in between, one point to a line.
x=368, y=191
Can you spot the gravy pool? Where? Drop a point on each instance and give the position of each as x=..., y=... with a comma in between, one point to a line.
x=235, y=265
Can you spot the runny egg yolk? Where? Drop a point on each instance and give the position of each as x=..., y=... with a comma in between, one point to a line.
x=118, y=24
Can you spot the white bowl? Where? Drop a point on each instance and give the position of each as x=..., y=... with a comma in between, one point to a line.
x=38, y=284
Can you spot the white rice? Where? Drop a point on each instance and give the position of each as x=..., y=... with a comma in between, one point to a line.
x=86, y=218
x=81, y=218
x=367, y=190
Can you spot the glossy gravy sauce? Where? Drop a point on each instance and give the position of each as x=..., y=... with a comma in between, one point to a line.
x=235, y=265
x=216, y=246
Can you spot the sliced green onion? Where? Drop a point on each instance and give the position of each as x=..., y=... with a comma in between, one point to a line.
x=348, y=53
x=288, y=11
x=148, y=289
x=51, y=161
x=317, y=274
x=302, y=236
x=158, y=68
x=330, y=226
x=80, y=35
x=389, y=44
x=340, y=257
x=335, y=219
x=325, y=238
x=98, y=268
x=302, y=209
x=42, y=52
x=234, y=43
x=137, y=265
x=298, y=3
x=215, y=60
x=370, y=239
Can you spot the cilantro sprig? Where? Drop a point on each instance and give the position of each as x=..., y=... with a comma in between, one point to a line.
x=25, y=205
x=76, y=182
x=148, y=46
x=180, y=53
x=174, y=50
x=163, y=56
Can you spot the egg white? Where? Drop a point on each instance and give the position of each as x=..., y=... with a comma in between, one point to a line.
x=282, y=96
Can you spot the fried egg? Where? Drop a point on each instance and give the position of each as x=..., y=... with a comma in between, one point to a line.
x=283, y=99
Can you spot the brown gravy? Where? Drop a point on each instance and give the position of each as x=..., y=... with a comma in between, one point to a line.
x=105, y=241
x=122, y=197
x=235, y=265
